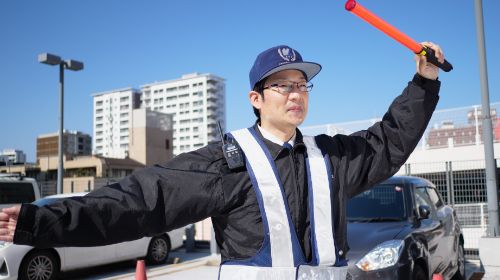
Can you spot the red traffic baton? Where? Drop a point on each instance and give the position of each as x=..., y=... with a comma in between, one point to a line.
x=355, y=8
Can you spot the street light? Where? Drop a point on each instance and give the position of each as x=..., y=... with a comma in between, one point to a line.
x=51, y=59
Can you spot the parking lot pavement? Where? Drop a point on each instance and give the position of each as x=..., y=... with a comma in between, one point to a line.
x=473, y=267
x=210, y=271
x=201, y=265
x=180, y=263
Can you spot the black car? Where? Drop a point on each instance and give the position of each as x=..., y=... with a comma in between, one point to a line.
x=401, y=229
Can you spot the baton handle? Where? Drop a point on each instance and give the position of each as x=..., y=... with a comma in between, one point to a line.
x=431, y=57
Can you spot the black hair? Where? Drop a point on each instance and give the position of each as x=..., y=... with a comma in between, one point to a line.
x=259, y=88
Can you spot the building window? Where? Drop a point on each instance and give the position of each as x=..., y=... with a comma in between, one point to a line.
x=184, y=95
x=123, y=122
x=171, y=98
x=167, y=144
x=123, y=115
x=98, y=125
x=171, y=89
x=124, y=107
x=123, y=99
x=98, y=119
x=98, y=103
x=98, y=111
x=184, y=87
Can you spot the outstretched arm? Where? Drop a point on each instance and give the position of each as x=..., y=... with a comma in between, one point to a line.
x=150, y=201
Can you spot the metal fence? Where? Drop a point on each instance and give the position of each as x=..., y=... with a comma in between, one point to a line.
x=448, y=127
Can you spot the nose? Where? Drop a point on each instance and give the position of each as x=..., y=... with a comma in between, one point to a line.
x=295, y=94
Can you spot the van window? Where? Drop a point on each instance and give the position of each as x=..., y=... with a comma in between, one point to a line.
x=16, y=192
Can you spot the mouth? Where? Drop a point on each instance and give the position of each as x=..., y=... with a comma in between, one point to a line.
x=295, y=109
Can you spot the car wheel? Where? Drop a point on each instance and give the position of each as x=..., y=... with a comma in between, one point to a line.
x=39, y=265
x=460, y=274
x=419, y=273
x=158, y=250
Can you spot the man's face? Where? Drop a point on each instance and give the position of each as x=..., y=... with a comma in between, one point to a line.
x=283, y=110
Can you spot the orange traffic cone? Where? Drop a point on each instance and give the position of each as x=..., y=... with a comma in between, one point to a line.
x=140, y=271
x=437, y=276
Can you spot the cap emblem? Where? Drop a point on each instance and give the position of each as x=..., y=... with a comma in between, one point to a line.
x=287, y=54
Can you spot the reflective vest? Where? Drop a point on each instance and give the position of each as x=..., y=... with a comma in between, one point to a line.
x=281, y=256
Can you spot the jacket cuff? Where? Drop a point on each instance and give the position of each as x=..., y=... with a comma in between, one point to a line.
x=430, y=86
x=24, y=228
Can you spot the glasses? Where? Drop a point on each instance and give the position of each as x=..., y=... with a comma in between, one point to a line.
x=287, y=87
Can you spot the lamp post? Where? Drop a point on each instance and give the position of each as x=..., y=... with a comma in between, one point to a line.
x=51, y=59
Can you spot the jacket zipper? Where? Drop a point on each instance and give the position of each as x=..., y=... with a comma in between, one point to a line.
x=296, y=191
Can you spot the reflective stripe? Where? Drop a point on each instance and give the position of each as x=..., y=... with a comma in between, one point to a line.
x=322, y=205
x=244, y=272
x=305, y=272
x=274, y=205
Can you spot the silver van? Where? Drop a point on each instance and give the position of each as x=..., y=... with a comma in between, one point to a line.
x=16, y=189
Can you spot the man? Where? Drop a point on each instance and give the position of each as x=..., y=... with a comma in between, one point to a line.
x=278, y=211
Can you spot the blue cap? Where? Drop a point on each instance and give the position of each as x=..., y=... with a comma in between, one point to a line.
x=280, y=58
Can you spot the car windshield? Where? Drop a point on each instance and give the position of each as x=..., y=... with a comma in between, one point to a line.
x=16, y=192
x=382, y=203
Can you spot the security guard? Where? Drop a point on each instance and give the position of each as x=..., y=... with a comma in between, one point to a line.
x=277, y=199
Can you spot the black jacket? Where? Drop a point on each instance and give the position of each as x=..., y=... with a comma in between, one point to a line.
x=199, y=184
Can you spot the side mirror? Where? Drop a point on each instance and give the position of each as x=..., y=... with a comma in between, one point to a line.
x=424, y=212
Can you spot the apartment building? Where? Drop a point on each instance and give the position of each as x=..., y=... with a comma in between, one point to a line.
x=111, y=121
x=150, y=137
x=75, y=143
x=12, y=156
x=196, y=103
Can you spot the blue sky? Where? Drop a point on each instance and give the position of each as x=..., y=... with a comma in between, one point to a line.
x=131, y=43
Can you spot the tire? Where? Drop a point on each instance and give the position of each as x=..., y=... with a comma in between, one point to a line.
x=460, y=274
x=419, y=273
x=158, y=250
x=39, y=265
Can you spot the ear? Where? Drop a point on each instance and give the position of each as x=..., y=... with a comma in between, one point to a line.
x=255, y=99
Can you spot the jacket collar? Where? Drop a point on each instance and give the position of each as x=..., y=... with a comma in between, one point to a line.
x=275, y=149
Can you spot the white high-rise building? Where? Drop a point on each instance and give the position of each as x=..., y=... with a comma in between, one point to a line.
x=12, y=156
x=112, y=119
x=196, y=102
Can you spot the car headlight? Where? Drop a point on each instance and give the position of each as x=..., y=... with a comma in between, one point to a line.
x=384, y=255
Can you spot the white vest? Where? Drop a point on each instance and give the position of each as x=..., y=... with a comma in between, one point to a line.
x=281, y=257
